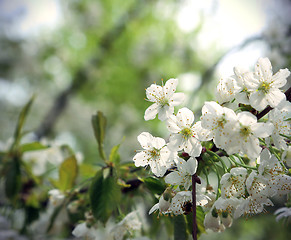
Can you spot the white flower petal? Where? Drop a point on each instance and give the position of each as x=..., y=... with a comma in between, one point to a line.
x=153, y=91
x=262, y=129
x=275, y=97
x=177, y=99
x=192, y=164
x=258, y=100
x=151, y=112
x=280, y=78
x=170, y=87
x=176, y=142
x=165, y=112
x=172, y=124
x=185, y=117
x=203, y=134
x=263, y=68
x=193, y=147
x=145, y=139
x=141, y=159
x=174, y=178
x=246, y=118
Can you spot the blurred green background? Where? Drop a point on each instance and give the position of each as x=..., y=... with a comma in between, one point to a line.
x=82, y=56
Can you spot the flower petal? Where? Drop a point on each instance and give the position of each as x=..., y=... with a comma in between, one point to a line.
x=151, y=112
x=192, y=164
x=141, y=159
x=258, y=100
x=153, y=92
x=165, y=112
x=263, y=69
x=280, y=78
x=262, y=129
x=177, y=99
x=170, y=87
x=145, y=139
x=185, y=117
x=275, y=97
x=172, y=124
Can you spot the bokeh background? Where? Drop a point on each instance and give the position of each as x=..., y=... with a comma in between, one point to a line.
x=78, y=57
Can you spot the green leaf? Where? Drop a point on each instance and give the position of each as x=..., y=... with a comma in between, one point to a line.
x=200, y=215
x=12, y=178
x=68, y=173
x=34, y=146
x=87, y=170
x=99, y=125
x=21, y=121
x=104, y=195
x=155, y=185
x=114, y=156
x=180, y=232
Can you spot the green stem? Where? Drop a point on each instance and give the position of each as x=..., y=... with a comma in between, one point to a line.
x=218, y=177
x=239, y=164
x=219, y=158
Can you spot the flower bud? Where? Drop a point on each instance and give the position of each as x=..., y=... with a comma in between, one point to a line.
x=226, y=219
x=211, y=222
x=163, y=203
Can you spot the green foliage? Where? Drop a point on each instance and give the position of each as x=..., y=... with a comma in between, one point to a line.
x=33, y=146
x=12, y=178
x=68, y=173
x=200, y=215
x=114, y=156
x=21, y=121
x=180, y=232
x=104, y=194
x=155, y=185
x=99, y=125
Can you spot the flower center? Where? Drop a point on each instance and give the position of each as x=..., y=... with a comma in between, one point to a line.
x=154, y=153
x=186, y=132
x=265, y=87
x=163, y=101
x=245, y=131
x=221, y=121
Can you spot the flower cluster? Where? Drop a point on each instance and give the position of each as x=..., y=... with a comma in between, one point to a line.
x=245, y=146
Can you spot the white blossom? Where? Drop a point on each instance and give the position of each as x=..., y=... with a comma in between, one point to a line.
x=234, y=87
x=245, y=136
x=213, y=222
x=251, y=206
x=233, y=183
x=184, y=174
x=164, y=99
x=227, y=204
x=219, y=121
x=155, y=153
x=277, y=182
x=264, y=86
x=280, y=118
x=179, y=201
x=163, y=205
x=184, y=135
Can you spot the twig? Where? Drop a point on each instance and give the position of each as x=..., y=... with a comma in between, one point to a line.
x=194, y=231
